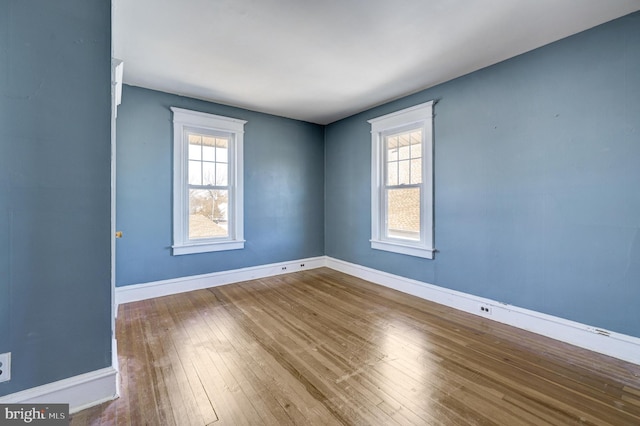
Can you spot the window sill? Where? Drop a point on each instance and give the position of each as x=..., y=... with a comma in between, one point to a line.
x=207, y=247
x=400, y=248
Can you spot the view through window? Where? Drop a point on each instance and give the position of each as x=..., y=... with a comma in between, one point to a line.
x=403, y=178
x=402, y=181
x=208, y=185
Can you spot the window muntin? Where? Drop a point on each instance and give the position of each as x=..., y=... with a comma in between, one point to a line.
x=402, y=187
x=208, y=184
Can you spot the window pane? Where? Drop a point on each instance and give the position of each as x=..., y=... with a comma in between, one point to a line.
x=392, y=173
x=222, y=150
x=403, y=213
x=404, y=150
x=222, y=174
x=208, y=173
x=195, y=173
x=392, y=153
x=194, y=147
x=403, y=172
x=416, y=145
x=392, y=142
x=416, y=171
x=208, y=151
x=208, y=213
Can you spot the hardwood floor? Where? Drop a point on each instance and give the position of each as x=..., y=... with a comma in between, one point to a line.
x=320, y=347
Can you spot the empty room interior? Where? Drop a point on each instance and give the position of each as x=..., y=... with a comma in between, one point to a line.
x=359, y=213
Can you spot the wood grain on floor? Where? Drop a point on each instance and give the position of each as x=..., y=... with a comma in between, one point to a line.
x=319, y=347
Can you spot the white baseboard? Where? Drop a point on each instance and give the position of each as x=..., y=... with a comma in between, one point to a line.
x=99, y=386
x=609, y=343
x=80, y=392
x=136, y=292
x=606, y=342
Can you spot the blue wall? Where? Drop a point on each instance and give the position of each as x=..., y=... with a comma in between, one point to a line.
x=283, y=184
x=537, y=181
x=536, y=184
x=55, y=232
x=537, y=177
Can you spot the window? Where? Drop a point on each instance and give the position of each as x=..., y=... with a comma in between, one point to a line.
x=402, y=181
x=207, y=182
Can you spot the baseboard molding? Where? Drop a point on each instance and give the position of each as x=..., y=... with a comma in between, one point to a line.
x=80, y=392
x=136, y=292
x=606, y=342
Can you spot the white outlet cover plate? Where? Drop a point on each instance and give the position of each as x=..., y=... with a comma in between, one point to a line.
x=5, y=366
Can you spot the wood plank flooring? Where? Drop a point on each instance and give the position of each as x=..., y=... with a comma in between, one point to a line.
x=320, y=347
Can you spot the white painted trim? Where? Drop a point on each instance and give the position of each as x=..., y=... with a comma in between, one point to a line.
x=118, y=73
x=182, y=119
x=407, y=249
x=80, y=392
x=606, y=342
x=117, y=69
x=205, y=120
x=400, y=118
x=207, y=247
x=133, y=293
x=422, y=116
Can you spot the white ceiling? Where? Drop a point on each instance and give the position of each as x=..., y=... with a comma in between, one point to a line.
x=321, y=61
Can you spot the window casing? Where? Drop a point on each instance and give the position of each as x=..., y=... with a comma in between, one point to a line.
x=402, y=181
x=207, y=182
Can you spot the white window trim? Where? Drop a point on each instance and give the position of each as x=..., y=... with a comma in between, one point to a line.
x=181, y=244
x=419, y=115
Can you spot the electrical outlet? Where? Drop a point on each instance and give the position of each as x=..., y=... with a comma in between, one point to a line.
x=5, y=367
x=485, y=309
